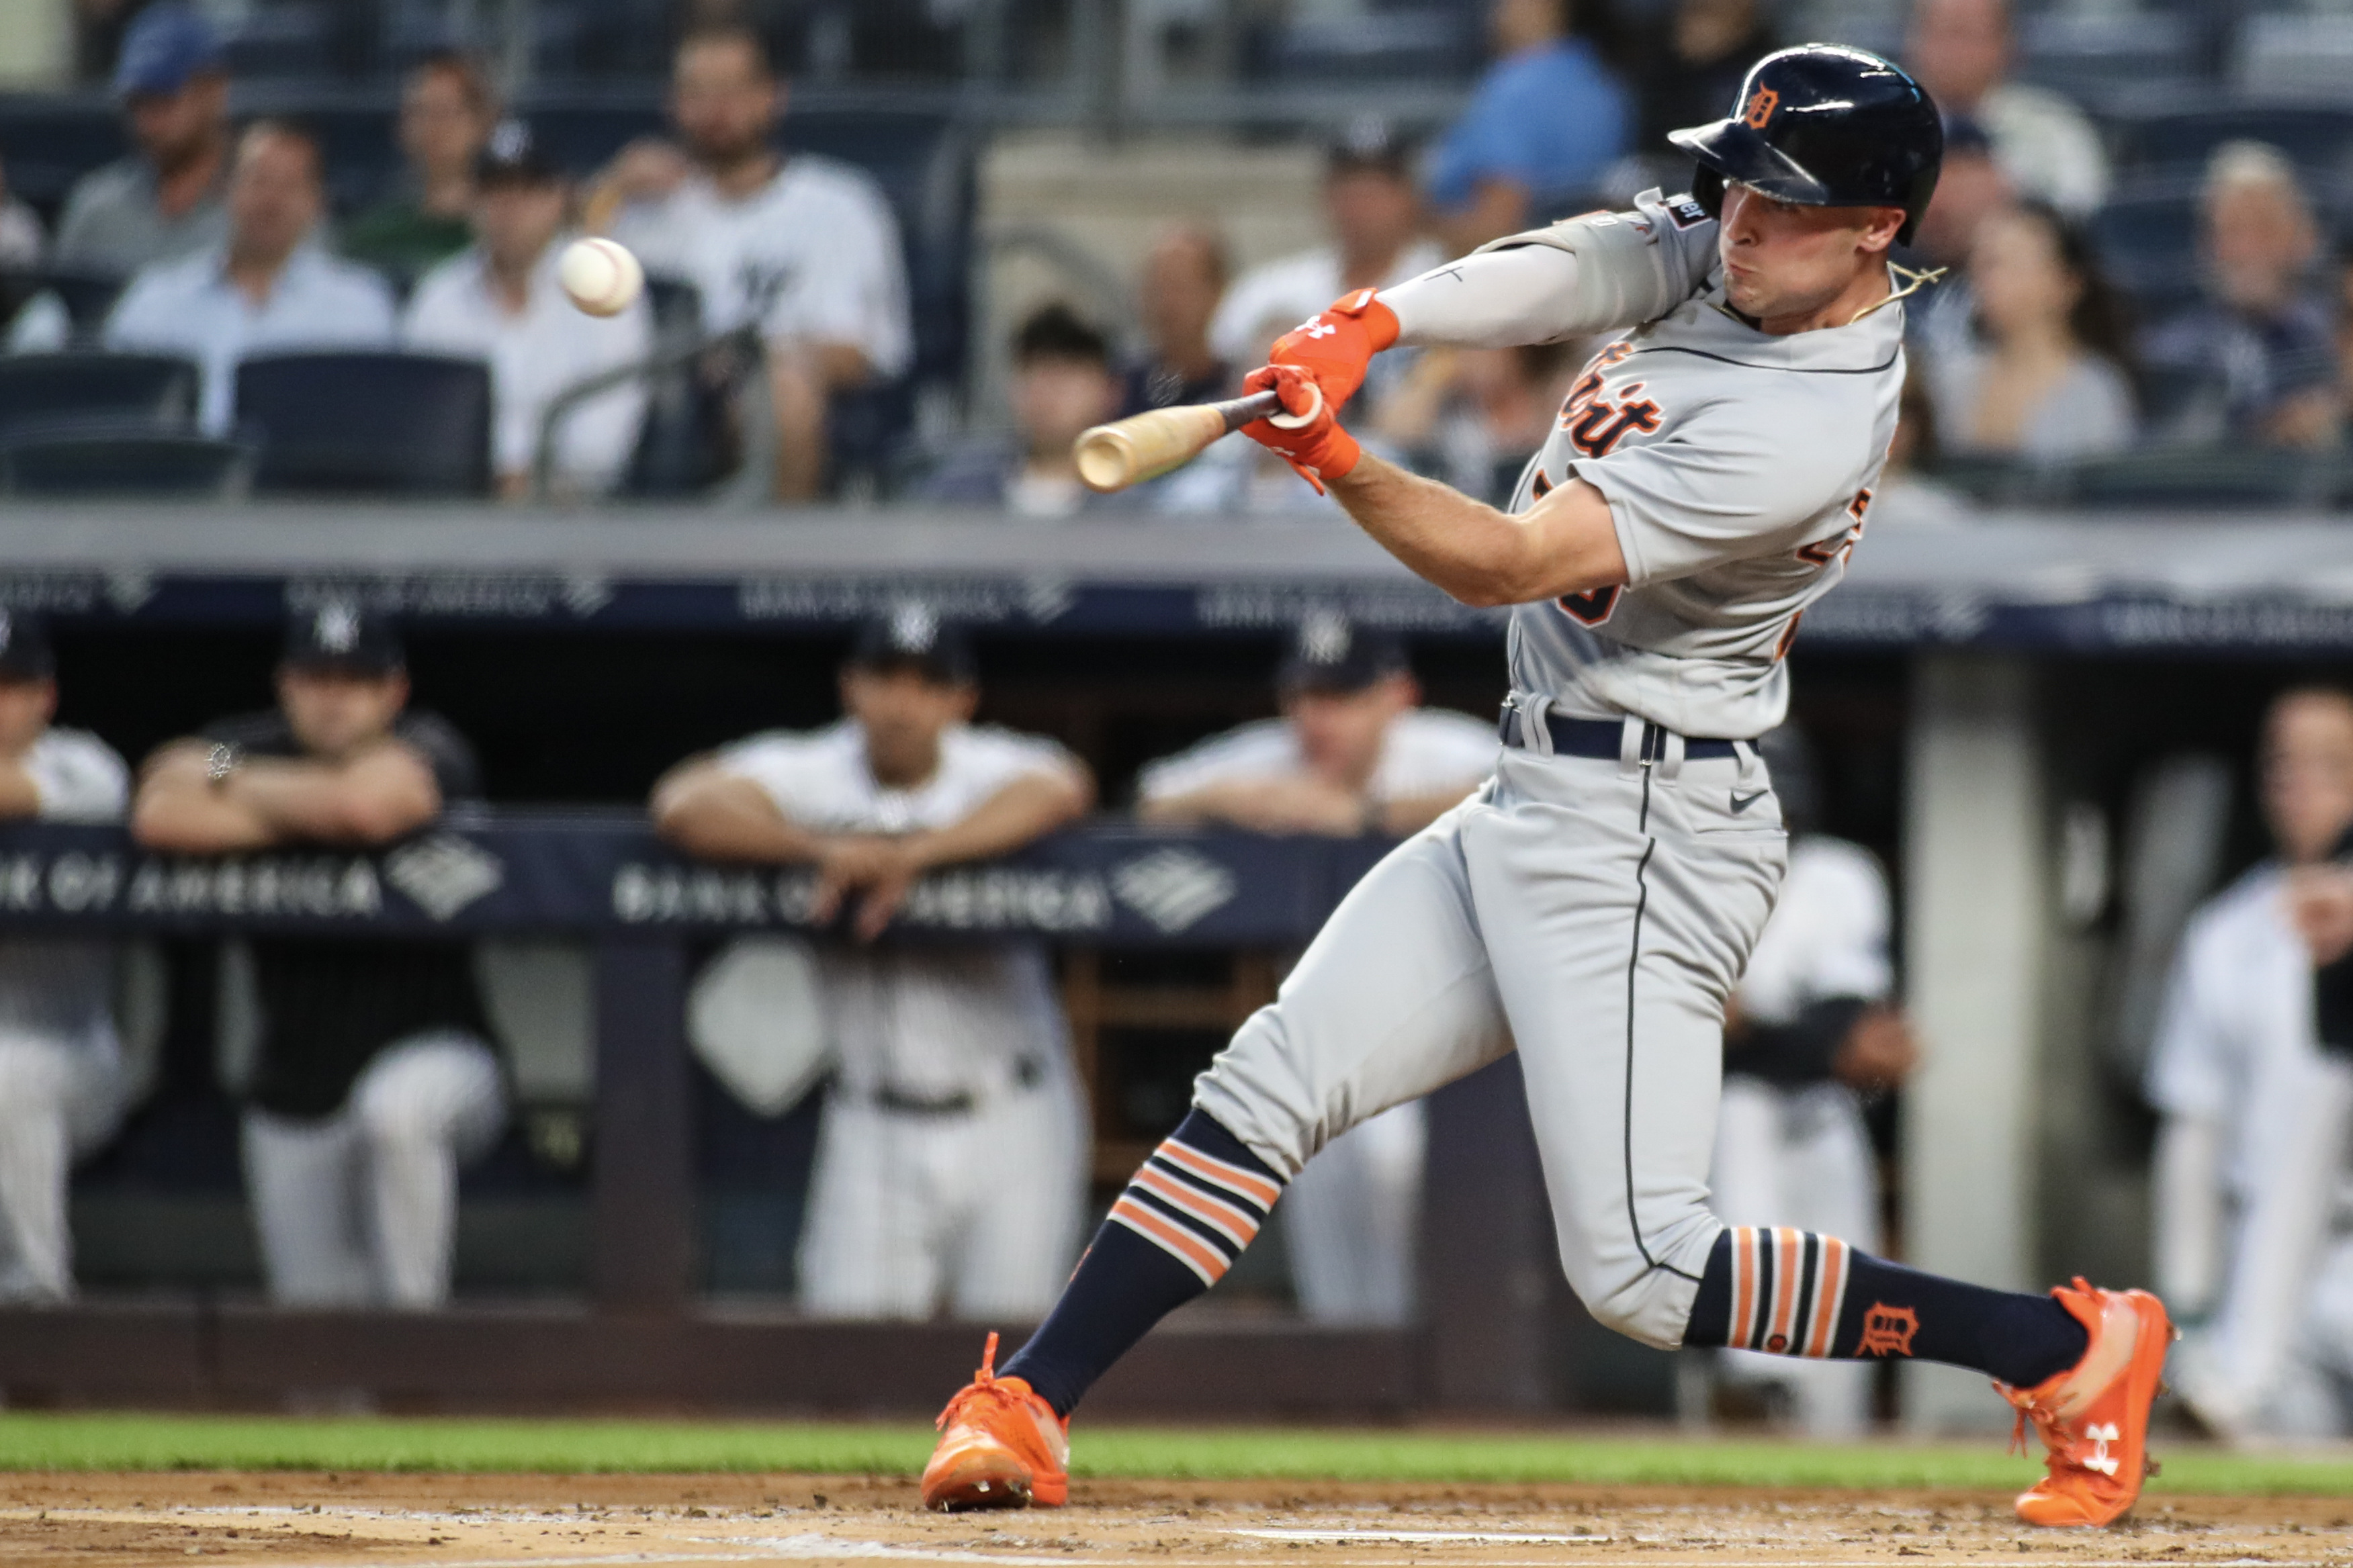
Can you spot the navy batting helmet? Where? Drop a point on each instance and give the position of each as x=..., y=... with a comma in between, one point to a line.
x=1824, y=125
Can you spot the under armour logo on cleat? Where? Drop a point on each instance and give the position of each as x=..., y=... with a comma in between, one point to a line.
x=2101, y=1459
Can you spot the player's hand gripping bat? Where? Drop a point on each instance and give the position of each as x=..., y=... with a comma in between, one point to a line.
x=1145, y=446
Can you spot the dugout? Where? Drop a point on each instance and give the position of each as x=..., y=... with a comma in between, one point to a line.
x=1997, y=734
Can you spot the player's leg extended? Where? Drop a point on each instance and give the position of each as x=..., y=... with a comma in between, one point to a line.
x=1390, y=1001
x=1619, y=905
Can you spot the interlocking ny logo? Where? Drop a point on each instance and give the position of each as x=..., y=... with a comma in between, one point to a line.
x=1761, y=105
x=443, y=874
x=1173, y=888
x=2101, y=1459
x=1888, y=1330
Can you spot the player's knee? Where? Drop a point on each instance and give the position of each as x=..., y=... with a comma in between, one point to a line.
x=1651, y=1305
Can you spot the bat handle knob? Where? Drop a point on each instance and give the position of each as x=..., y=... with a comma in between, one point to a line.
x=1301, y=421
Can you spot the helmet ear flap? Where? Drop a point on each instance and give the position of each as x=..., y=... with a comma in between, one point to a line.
x=1707, y=190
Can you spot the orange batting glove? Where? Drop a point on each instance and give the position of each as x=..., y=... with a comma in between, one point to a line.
x=1319, y=450
x=1336, y=346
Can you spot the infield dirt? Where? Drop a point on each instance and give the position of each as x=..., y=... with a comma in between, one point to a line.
x=284, y=1520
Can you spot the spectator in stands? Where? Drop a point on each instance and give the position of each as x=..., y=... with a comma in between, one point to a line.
x=374, y=1078
x=947, y=1056
x=1063, y=383
x=502, y=301
x=2257, y=359
x=1961, y=50
x=1183, y=278
x=1473, y=416
x=803, y=248
x=1353, y=753
x=1543, y=124
x=1373, y=213
x=21, y=238
x=446, y=115
x=267, y=288
x=1941, y=319
x=61, y=1071
x=1689, y=65
x=167, y=199
x=2044, y=377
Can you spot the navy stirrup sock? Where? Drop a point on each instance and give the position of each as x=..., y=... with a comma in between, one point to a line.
x=1186, y=1215
x=1793, y=1292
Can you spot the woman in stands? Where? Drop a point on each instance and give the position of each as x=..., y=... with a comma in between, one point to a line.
x=2043, y=377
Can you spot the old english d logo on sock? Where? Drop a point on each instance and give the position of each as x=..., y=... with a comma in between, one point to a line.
x=1887, y=1330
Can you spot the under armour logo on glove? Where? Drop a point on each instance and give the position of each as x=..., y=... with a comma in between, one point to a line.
x=1318, y=329
x=2101, y=1459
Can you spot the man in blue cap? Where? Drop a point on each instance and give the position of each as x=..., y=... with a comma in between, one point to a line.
x=164, y=200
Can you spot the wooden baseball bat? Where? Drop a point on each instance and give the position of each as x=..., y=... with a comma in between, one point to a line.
x=1145, y=446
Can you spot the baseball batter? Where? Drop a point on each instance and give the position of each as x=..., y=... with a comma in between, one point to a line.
x=1594, y=904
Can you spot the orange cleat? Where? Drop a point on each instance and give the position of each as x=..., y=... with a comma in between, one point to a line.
x=2093, y=1416
x=1000, y=1447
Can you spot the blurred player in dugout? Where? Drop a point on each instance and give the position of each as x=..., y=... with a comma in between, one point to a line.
x=2250, y=1234
x=1353, y=753
x=952, y=1163
x=62, y=1079
x=373, y=1076
x=1810, y=1032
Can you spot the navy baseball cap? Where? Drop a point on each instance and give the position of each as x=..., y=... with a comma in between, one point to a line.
x=913, y=637
x=342, y=637
x=513, y=157
x=1368, y=142
x=1329, y=654
x=24, y=652
x=165, y=48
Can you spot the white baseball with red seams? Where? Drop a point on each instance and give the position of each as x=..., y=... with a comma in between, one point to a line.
x=600, y=276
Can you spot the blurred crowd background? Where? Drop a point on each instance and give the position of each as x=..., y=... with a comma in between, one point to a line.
x=903, y=250
x=900, y=253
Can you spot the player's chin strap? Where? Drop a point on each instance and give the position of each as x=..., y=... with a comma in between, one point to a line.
x=1913, y=281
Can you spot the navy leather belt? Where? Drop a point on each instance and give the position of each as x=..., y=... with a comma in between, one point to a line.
x=1601, y=738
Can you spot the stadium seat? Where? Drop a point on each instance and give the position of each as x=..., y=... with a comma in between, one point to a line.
x=94, y=459
x=377, y=424
x=2164, y=478
x=2096, y=55
x=155, y=388
x=50, y=141
x=1415, y=43
x=2177, y=141
x=2286, y=55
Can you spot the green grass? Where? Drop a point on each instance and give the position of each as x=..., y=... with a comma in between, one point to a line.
x=31, y=1441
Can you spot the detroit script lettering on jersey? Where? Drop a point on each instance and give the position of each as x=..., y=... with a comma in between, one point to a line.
x=1596, y=422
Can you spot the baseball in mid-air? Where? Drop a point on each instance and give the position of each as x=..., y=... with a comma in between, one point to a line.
x=601, y=276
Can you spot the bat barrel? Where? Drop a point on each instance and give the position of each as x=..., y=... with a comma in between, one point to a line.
x=1145, y=446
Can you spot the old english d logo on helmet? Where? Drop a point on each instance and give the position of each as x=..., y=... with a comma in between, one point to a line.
x=1824, y=125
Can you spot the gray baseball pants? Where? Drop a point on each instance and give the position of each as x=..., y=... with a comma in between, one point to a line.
x=1599, y=914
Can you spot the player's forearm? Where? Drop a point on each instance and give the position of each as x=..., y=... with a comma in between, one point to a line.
x=368, y=801
x=1564, y=544
x=1532, y=294
x=187, y=817
x=1025, y=810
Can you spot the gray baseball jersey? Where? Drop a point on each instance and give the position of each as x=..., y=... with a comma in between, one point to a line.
x=1738, y=466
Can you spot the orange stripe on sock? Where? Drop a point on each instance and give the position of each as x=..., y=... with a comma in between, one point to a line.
x=1788, y=1258
x=1744, y=1271
x=1248, y=1184
x=1222, y=1217
x=1195, y=1255
x=1829, y=1295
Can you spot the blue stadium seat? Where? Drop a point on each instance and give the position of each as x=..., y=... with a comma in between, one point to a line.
x=377, y=424
x=2317, y=137
x=1416, y=43
x=49, y=140
x=156, y=388
x=2093, y=56
x=103, y=457
x=2147, y=243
